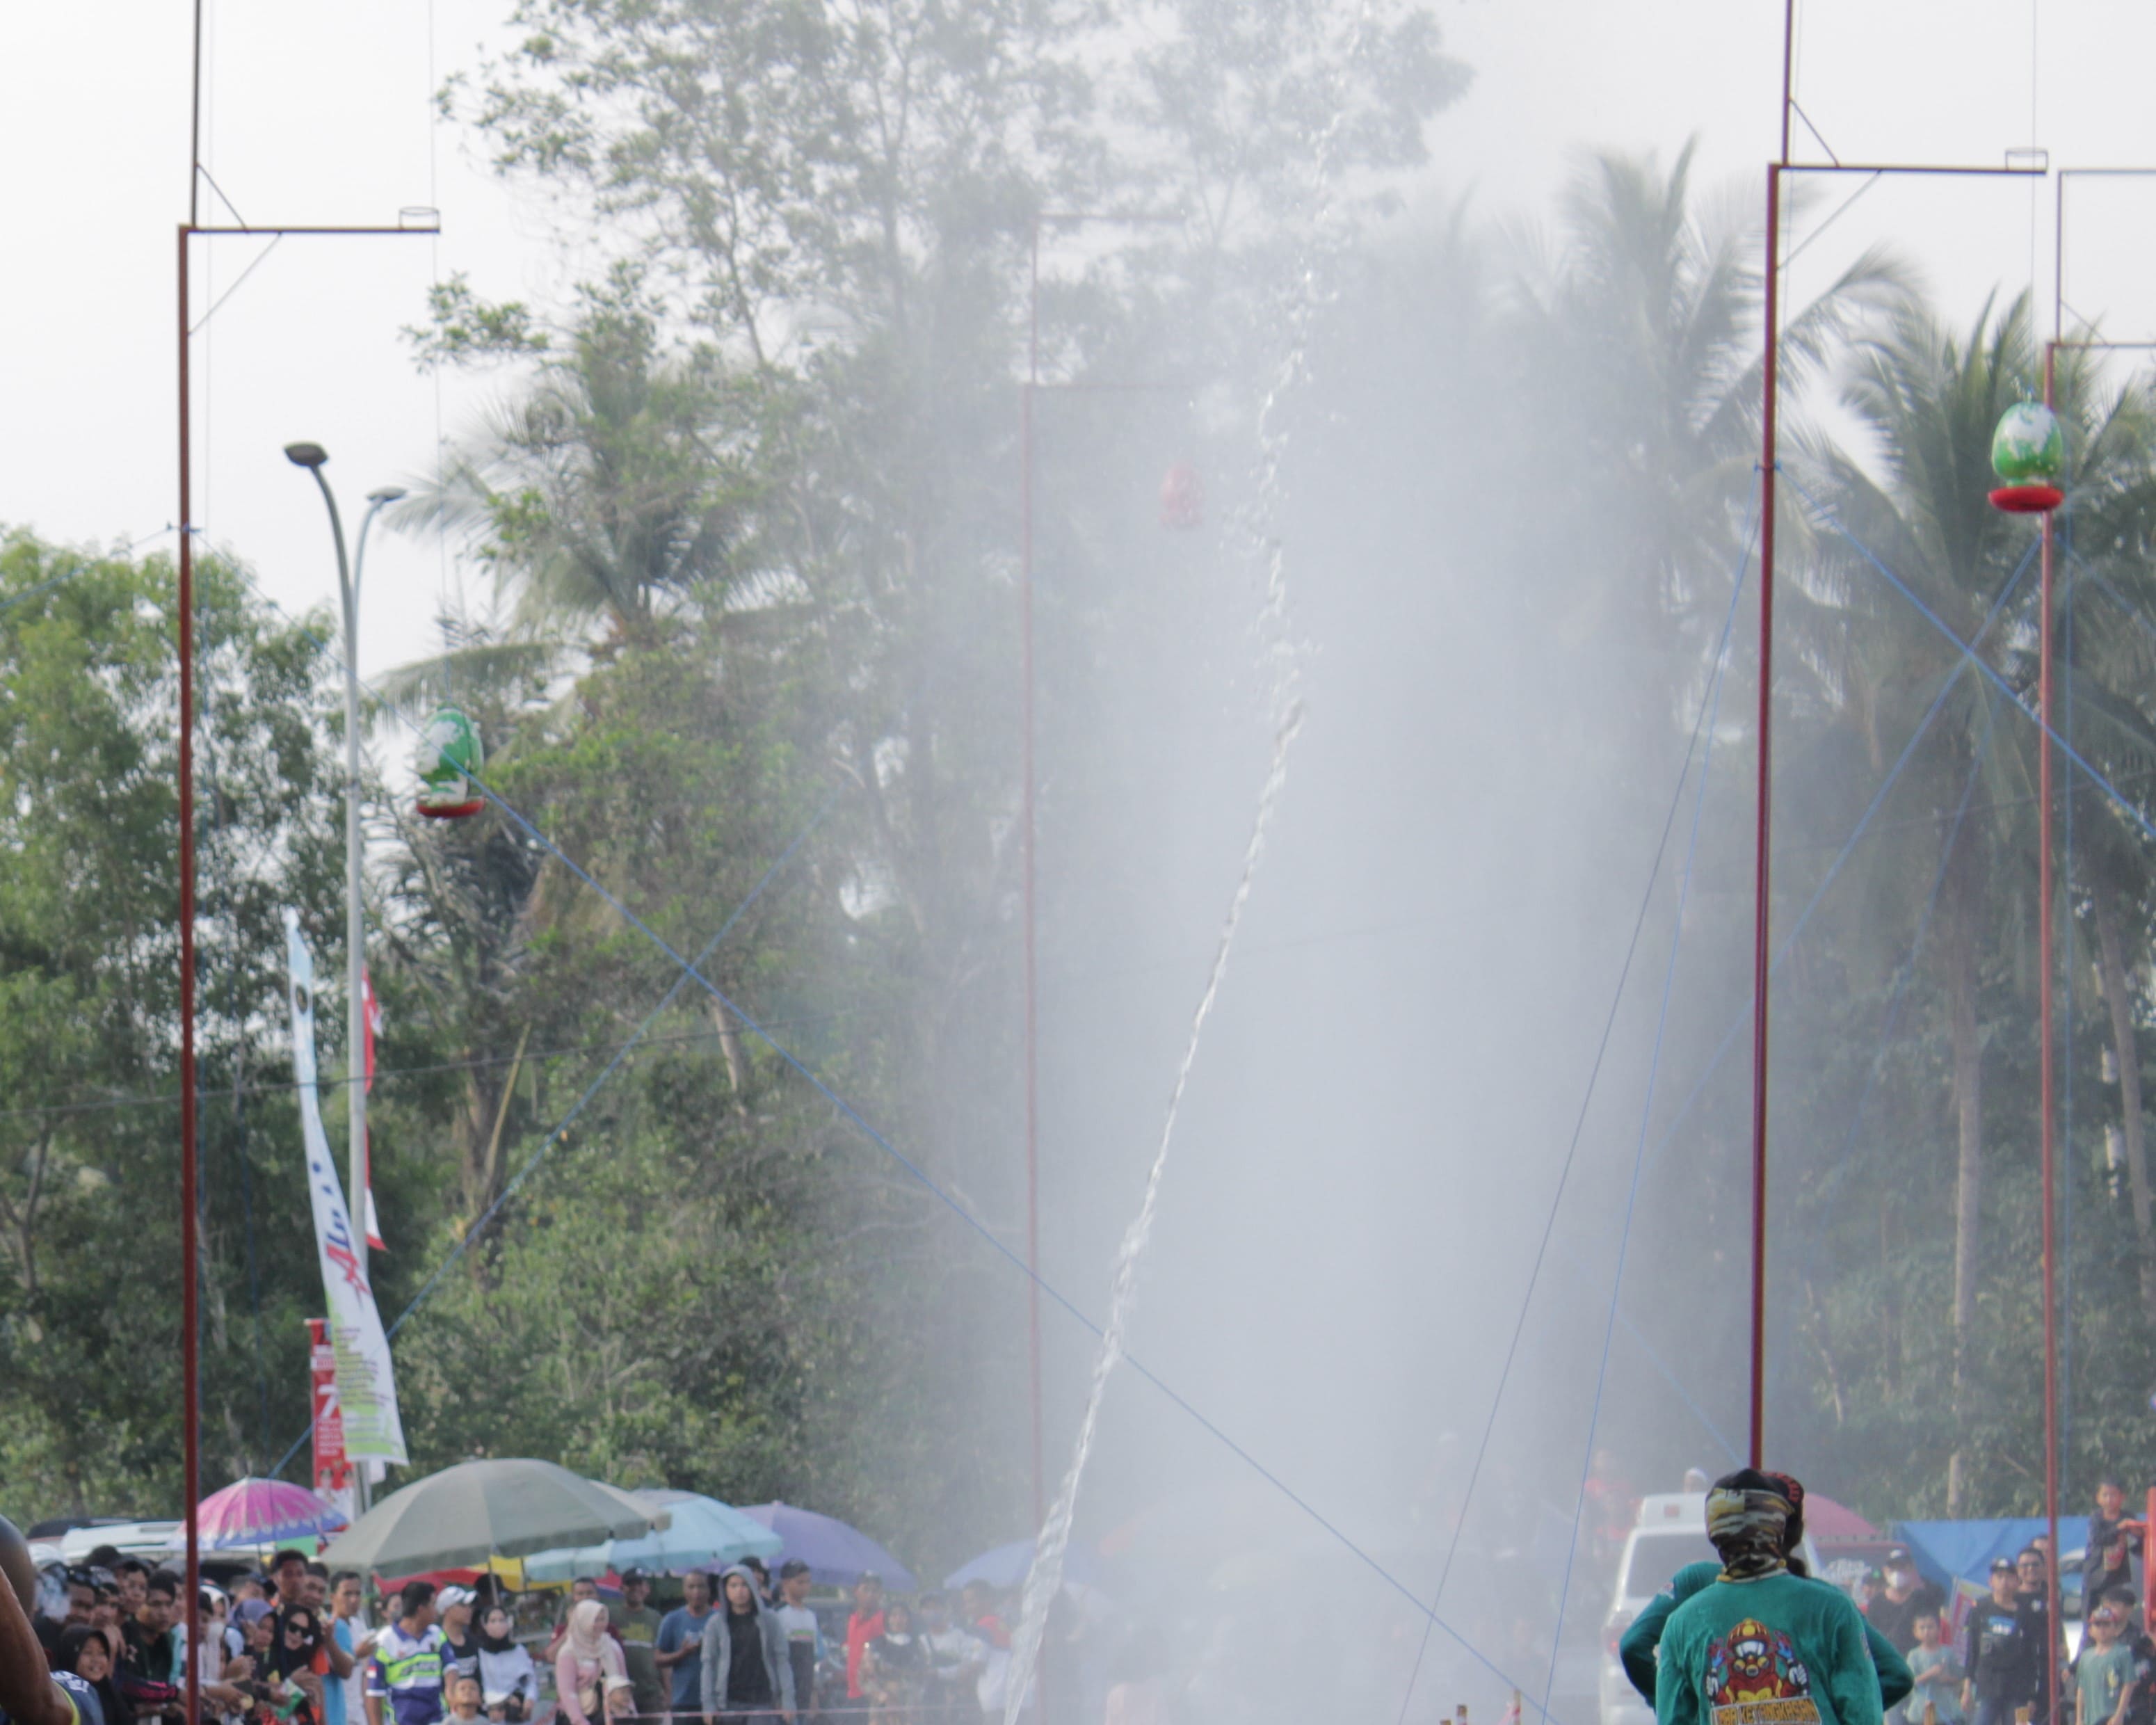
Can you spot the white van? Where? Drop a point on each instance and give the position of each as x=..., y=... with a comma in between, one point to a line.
x=1671, y=1532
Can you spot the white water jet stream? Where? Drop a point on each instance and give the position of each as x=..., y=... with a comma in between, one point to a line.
x=1044, y=1578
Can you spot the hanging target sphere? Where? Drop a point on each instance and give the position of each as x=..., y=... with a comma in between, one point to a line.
x=449, y=753
x=1182, y=498
x=2028, y=451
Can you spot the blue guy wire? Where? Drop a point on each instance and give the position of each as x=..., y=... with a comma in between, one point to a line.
x=921, y=1177
x=1632, y=1195
x=1908, y=969
x=1579, y=1124
x=1827, y=517
x=1743, y=1016
x=560, y=1131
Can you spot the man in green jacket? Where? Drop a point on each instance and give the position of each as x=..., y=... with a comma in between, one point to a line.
x=1635, y=1650
x=1758, y=1645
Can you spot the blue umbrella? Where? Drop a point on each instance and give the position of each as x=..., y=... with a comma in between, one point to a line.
x=704, y=1533
x=836, y=1555
x=1005, y=1567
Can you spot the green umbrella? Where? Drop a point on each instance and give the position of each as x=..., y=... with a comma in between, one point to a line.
x=477, y=1510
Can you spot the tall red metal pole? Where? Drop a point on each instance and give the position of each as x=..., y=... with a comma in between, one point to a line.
x=2045, y=1063
x=1762, y=955
x=1032, y=977
x=190, y=1374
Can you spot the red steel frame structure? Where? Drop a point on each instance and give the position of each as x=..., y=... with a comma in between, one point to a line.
x=183, y=632
x=1761, y=952
x=2047, y=1056
x=1031, y=388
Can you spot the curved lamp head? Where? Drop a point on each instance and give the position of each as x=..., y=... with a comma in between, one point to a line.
x=305, y=454
x=387, y=494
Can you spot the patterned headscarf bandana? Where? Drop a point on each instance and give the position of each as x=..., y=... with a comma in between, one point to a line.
x=1747, y=1529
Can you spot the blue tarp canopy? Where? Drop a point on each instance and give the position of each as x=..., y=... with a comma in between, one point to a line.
x=1948, y=1552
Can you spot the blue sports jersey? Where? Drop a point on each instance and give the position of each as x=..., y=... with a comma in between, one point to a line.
x=406, y=1671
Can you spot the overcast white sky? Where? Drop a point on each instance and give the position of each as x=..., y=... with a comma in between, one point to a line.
x=320, y=113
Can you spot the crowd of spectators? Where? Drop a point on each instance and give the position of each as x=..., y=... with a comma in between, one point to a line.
x=1996, y=1665
x=296, y=1645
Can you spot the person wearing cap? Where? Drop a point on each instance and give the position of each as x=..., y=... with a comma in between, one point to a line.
x=863, y=1625
x=2103, y=1672
x=1906, y=1597
x=2002, y=1652
x=453, y=1606
x=1758, y=1645
x=636, y=1627
x=805, y=1635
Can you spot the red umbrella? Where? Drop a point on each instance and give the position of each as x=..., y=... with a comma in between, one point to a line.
x=253, y=1511
x=1825, y=1519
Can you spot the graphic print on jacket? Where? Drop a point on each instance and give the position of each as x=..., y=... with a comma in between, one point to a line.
x=1754, y=1676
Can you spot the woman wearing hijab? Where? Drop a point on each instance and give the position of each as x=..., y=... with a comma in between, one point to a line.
x=588, y=1672
x=894, y=1670
x=83, y=1649
x=1758, y=1645
x=746, y=1672
x=507, y=1678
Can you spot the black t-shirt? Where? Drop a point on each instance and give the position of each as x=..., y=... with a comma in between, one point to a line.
x=460, y=1659
x=2140, y=1704
x=2003, y=1653
x=748, y=1678
x=1896, y=1621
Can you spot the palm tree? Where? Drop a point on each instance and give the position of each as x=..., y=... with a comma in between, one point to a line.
x=614, y=487
x=1931, y=400
x=1643, y=325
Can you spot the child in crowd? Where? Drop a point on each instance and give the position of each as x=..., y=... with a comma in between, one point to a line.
x=1937, y=1672
x=2104, y=1671
x=465, y=1697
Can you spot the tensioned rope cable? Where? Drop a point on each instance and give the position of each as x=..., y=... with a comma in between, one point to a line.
x=1586, y=1101
x=1891, y=1022
x=1848, y=849
x=1743, y=1015
x=936, y=1191
x=560, y=1132
x=1632, y=1195
x=1827, y=516
x=28, y=593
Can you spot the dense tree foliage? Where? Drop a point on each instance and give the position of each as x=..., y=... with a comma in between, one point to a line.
x=749, y=665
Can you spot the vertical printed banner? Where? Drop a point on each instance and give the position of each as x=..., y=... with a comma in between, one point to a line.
x=332, y=1470
x=366, y=1384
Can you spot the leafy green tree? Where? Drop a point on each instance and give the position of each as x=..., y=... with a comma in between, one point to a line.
x=89, y=953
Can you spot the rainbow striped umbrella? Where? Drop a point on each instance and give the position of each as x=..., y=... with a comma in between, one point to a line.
x=252, y=1512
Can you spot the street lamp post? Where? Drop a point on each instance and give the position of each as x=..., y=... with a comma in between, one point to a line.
x=313, y=457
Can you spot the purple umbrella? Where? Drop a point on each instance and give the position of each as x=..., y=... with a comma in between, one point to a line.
x=836, y=1554
x=252, y=1511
